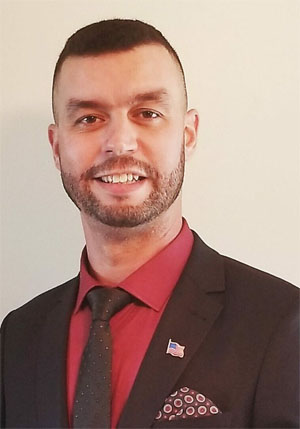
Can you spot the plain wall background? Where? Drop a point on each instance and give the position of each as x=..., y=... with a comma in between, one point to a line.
x=241, y=192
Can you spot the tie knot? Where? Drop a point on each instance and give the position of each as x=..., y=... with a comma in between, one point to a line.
x=105, y=302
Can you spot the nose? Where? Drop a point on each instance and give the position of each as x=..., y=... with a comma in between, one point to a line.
x=120, y=136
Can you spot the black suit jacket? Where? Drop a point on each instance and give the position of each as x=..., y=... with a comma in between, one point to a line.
x=241, y=335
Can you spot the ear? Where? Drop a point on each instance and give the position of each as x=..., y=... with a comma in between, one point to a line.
x=53, y=139
x=190, y=131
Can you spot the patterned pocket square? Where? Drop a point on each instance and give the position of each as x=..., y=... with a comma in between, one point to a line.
x=186, y=403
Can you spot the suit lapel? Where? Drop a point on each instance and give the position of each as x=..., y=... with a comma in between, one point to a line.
x=51, y=367
x=191, y=311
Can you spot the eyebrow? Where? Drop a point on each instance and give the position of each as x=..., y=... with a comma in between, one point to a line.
x=161, y=95
x=75, y=104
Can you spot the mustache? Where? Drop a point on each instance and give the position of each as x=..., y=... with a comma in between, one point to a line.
x=122, y=163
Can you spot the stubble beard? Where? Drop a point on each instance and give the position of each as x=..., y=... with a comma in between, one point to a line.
x=165, y=191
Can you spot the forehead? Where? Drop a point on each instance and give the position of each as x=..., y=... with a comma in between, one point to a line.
x=120, y=74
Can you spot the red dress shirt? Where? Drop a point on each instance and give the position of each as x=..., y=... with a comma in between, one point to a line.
x=133, y=327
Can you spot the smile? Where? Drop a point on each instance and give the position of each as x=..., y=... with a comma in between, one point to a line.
x=121, y=178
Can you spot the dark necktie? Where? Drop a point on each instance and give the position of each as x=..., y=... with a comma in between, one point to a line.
x=93, y=392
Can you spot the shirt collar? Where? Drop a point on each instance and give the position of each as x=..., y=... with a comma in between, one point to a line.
x=154, y=281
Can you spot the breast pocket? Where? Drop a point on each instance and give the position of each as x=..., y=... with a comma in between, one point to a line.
x=218, y=421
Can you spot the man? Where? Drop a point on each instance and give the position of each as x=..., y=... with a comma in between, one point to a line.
x=205, y=341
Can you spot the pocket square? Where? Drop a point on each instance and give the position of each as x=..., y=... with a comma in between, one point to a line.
x=186, y=403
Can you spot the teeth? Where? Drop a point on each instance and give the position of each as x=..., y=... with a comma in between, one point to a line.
x=120, y=178
x=123, y=178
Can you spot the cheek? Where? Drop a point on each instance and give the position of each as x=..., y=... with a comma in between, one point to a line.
x=167, y=149
x=77, y=153
x=167, y=158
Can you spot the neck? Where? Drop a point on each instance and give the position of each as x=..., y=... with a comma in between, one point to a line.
x=115, y=253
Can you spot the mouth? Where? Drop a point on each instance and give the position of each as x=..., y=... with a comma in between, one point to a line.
x=123, y=178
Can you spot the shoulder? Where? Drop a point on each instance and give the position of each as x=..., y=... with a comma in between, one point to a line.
x=248, y=286
x=257, y=281
x=41, y=304
x=258, y=298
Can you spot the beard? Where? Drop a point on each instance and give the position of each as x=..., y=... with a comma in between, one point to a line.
x=165, y=190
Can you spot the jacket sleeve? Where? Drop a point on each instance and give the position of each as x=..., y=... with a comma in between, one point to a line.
x=277, y=393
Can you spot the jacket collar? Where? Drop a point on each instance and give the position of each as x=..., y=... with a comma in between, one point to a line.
x=190, y=314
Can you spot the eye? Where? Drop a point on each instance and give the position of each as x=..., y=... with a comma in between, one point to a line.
x=149, y=114
x=90, y=119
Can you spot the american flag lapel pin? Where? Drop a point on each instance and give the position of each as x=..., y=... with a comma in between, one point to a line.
x=175, y=349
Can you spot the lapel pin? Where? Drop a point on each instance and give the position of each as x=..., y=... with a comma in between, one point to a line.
x=175, y=349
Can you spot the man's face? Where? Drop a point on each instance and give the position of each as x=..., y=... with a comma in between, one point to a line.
x=122, y=133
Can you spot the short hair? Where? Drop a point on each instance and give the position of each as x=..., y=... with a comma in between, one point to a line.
x=112, y=35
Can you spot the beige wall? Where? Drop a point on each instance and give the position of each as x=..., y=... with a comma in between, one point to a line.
x=242, y=186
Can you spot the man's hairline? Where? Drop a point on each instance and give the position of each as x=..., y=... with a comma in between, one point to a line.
x=89, y=55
